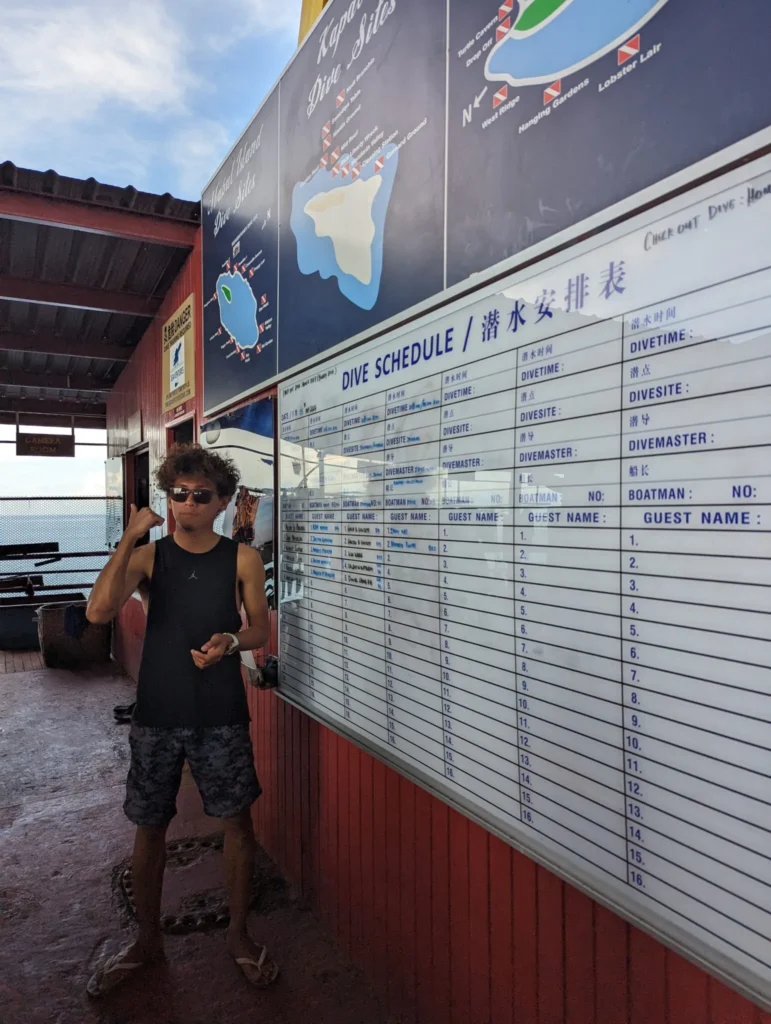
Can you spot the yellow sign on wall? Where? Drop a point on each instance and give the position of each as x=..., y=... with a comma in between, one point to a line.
x=311, y=9
x=179, y=356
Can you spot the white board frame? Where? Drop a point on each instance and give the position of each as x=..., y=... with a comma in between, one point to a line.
x=692, y=948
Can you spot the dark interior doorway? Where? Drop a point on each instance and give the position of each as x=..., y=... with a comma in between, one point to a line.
x=184, y=433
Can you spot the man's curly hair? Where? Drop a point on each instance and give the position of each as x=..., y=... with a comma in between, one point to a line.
x=193, y=460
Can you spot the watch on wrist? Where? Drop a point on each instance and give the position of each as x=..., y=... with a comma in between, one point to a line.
x=233, y=647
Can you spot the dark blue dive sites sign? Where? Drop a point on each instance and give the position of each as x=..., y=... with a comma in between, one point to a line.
x=362, y=171
x=560, y=108
x=391, y=162
x=240, y=264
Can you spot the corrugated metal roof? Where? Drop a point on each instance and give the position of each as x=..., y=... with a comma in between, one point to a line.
x=89, y=190
x=76, y=366
x=57, y=255
x=55, y=394
x=66, y=322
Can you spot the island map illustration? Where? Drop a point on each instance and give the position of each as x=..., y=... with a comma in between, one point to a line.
x=244, y=313
x=549, y=39
x=338, y=219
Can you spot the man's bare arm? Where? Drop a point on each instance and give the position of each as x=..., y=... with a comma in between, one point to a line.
x=251, y=574
x=251, y=579
x=125, y=570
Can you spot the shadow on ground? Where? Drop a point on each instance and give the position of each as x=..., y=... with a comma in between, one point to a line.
x=63, y=846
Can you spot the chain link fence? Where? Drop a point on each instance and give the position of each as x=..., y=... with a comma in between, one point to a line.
x=70, y=544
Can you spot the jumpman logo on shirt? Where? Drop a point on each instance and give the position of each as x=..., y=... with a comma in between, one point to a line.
x=192, y=576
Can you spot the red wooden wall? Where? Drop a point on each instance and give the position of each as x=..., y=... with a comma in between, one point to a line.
x=451, y=925
x=139, y=388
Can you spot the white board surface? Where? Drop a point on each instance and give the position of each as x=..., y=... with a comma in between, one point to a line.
x=526, y=559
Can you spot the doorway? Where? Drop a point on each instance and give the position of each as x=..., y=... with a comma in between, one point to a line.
x=183, y=433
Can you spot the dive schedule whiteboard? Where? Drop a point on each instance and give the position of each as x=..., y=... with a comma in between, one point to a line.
x=526, y=559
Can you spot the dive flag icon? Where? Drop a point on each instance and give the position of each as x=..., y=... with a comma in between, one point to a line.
x=501, y=96
x=631, y=48
x=551, y=92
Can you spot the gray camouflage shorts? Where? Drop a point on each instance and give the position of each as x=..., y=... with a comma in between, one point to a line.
x=221, y=761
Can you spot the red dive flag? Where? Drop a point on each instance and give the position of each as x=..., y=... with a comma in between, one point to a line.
x=551, y=92
x=631, y=48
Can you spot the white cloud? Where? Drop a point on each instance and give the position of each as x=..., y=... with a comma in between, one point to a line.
x=196, y=150
x=66, y=68
x=78, y=57
x=117, y=90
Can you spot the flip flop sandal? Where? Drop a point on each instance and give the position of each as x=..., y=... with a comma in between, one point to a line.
x=260, y=973
x=113, y=972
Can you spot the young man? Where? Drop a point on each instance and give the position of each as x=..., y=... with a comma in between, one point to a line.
x=191, y=702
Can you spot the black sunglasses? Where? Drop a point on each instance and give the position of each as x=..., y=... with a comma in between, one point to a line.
x=201, y=496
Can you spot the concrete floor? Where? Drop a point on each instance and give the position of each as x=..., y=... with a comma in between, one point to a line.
x=63, y=763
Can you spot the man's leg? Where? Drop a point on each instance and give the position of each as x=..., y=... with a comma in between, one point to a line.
x=148, y=864
x=157, y=757
x=253, y=959
x=239, y=869
x=222, y=762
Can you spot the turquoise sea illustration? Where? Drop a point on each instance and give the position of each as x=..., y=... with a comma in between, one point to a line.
x=339, y=218
x=553, y=38
x=238, y=309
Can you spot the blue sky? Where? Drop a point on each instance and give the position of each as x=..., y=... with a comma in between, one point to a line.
x=150, y=93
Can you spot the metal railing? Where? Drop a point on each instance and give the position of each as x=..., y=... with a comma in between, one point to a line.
x=53, y=546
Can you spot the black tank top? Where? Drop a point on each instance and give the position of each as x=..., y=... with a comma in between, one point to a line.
x=192, y=597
